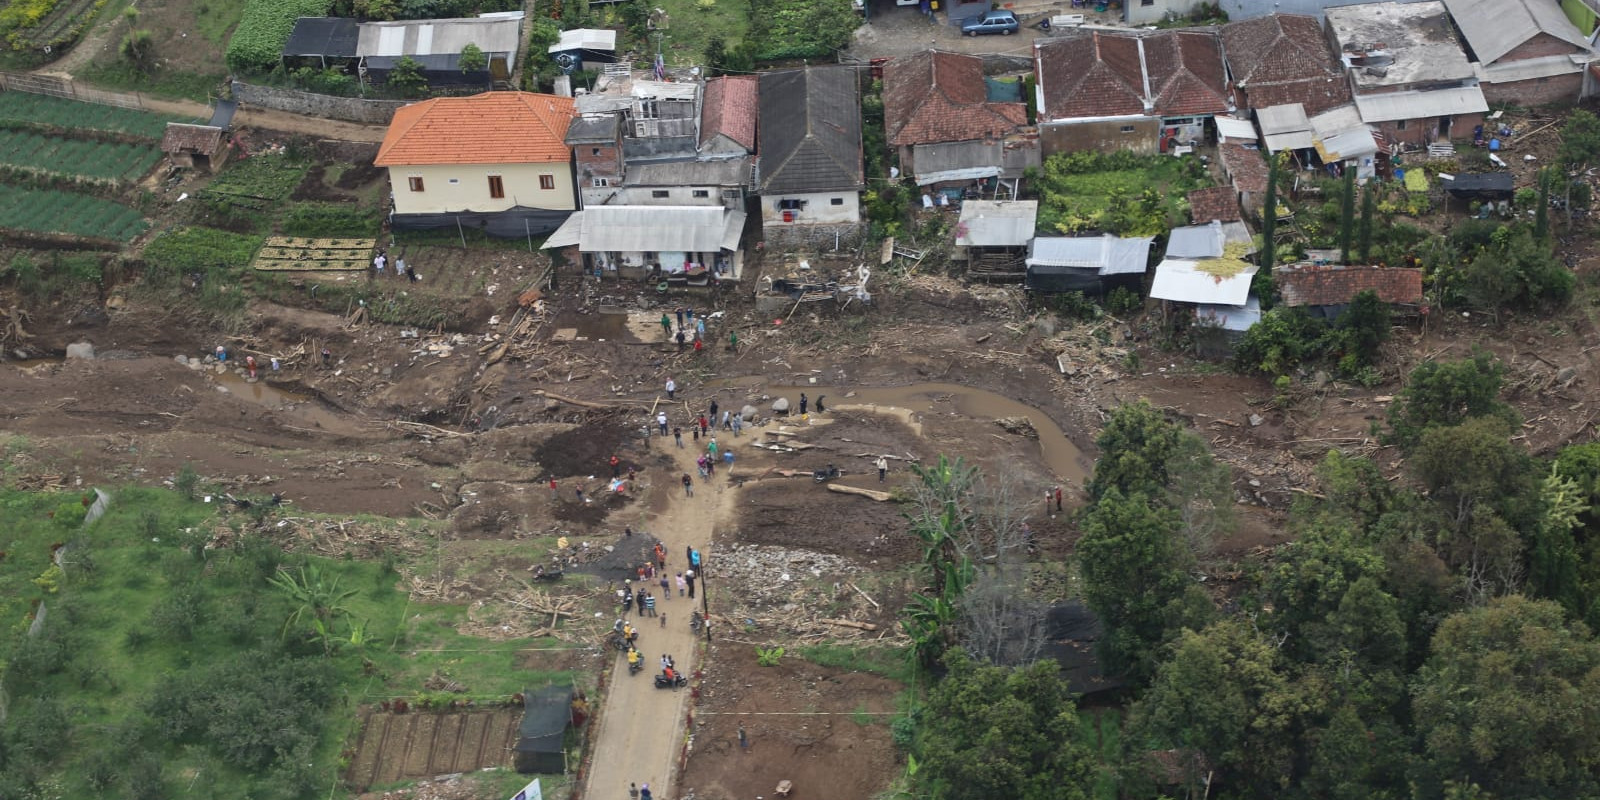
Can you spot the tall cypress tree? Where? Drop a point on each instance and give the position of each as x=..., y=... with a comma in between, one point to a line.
x=1269, y=218
x=1369, y=203
x=1347, y=216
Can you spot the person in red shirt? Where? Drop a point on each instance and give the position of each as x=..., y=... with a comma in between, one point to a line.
x=616, y=467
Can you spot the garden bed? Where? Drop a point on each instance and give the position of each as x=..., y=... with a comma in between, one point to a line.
x=55, y=211
x=105, y=161
x=71, y=115
x=292, y=254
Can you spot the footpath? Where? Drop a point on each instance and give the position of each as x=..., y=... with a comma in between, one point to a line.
x=642, y=728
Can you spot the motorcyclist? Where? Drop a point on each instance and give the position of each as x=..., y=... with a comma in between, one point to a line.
x=671, y=676
x=634, y=659
x=629, y=633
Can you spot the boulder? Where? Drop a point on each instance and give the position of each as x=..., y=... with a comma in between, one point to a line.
x=82, y=350
x=780, y=405
x=749, y=413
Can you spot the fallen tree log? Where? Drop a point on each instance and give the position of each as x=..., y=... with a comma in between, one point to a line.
x=846, y=623
x=871, y=494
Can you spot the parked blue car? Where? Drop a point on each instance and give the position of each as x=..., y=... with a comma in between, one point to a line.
x=1001, y=22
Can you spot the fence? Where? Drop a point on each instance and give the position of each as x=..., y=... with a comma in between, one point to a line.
x=294, y=101
x=56, y=86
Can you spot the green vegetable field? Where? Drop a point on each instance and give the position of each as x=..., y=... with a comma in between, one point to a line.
x=51, y=211
x=106, y=160
x=38, y=109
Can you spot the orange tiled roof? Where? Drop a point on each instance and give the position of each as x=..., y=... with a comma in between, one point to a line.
x=935, y=96
x=488, y=128
x=1335, y=284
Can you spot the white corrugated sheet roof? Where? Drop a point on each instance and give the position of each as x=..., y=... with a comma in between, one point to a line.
x=1529, y=69
x=1340, y=134
x=1285, y=118
x=1421, y=105
x=1294, y=140
x=664, y=90
x=1232, y=318
x=1230, y=128
x=585, y=39
x=650, y=229
x=996, y=223
x=438, y=37
x=1205, y=241
x=1109, y=255
x=1182, y=281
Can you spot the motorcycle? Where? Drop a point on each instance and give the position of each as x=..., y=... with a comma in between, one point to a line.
x=695, y=621
x=825, y=474
x=542, y=574
x=677, y=681
x=636, y=666
x=625, y=599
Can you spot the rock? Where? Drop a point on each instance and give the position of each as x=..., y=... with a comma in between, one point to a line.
x=82, y=350
x=749, y=413
x=780, y=405
x=1256, y=421
x=1566, y=375
x=181, y=358
x=1320, y=378
x=1021, y=426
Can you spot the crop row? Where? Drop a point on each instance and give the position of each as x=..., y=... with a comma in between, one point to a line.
x=52, y=211
x=76, y=157
x=74, y=115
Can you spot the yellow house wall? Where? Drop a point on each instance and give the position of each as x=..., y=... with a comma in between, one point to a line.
x=470, y=192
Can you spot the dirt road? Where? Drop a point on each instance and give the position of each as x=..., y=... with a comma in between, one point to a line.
x=642, y=727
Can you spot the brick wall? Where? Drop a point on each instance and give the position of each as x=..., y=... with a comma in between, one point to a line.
x=1422, y=132
x=348, y=109
x=1537, y=92
x=1538, y=47
x=1142, y=136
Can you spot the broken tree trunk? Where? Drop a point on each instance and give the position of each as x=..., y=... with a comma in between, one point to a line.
x=871, y=494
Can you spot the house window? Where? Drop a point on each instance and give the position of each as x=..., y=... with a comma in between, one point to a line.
x=601, y=182
x=1127, y=129
x=791, y=205
x=660, y=194
x=837, y=201
x=594, y=151
x=1147, y=3
x=547, y=181
x=497, y=187
x=415, y=182
x=1400, y=126
x=701, y=193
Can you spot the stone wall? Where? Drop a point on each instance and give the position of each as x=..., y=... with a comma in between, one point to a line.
x=348, y=109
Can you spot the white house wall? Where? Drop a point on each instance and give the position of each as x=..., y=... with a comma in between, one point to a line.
x=465, y=187
x=817, y=208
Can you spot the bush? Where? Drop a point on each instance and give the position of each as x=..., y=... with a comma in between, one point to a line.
x=801, y=28
x=330, y=220
x=193, y=249
x=258, y=42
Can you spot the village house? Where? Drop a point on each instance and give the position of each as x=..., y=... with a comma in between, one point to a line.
x=809, y=134
x=372, y=49
x=1204, y=270
x=1525, y=52
x=728, y=117
x=993, y=235
x=1410, y=78
x=584, y=48
x=497, y=156
x=1284, y=59
x=202, y=147
x=1089, y=264
x=940, y=121
x=1144, y=92
x=1325, y=290
x=685, y=245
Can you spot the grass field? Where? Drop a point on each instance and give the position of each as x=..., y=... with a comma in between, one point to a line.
x=167, y=665
x=99, y=160
x=38, y=109
x=52, y=211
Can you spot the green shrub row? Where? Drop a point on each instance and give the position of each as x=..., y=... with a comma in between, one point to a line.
x=258, y=42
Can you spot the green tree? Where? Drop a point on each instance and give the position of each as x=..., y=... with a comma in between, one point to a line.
x=1269, y=218
x=1369, y=205
x=992, y=732
x=1135, y=572
x=1541, y=215
x=1553, y=560
x=1361, y=331
x=1580, y=148
x=1443, y=393
x=1509, y=699
x=1135, y=446
x=1227, y=693
x=139, y=50
x=1347, y=216
x=406, y=77
x=318, y=600
x=716, y=57
x=472, y=59
x=1327, y=598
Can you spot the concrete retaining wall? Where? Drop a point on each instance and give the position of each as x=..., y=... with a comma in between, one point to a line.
x=348, y=109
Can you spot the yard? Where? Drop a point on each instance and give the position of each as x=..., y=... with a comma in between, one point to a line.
x=1119, y=193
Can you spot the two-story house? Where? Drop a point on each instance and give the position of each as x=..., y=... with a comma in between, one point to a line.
x=497, y=155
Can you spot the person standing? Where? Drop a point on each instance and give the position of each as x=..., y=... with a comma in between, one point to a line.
x=276, y=364
x=803, y=402
x=681, y=584
x=820, y=409
x=633, y=791
x=711, y=449
x=1058, y=499
x=661, y=422
x=680, y=339
x=680, y=316
x=672, y=388
x=689, y=577
x=703, y=426
x=377, y=264
x=688, y=485
x=699, y=346
x=733, y=341
x=250, y=364
x=616, y=466
x=666, y=587
x=661, y=556
x=727, y=420
x=677, y=437
x=713, y=409
x=883, y=468
x=666, y=325
x=737, y=423
x=411, y=273
x=327, y=357
x=650, y=604
x=744, y=740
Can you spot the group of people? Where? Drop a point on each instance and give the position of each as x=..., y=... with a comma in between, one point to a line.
x=401, y=268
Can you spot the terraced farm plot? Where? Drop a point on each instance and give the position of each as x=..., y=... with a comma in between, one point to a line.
x=102, y=160
x=51, y=211
x=39, y=109
x=292, y=254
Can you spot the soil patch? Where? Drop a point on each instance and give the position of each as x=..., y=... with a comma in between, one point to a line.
x=825, y=730
x=394, y=747
x=798, y=512
x=359, y=175
x=312, y=187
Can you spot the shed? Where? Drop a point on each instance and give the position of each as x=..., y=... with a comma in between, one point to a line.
x=1331, y=287
x=1084, y=264
x=322, y=38
x=1340, y=136
x=541, y=740
x=1208, y=240
x=1234, y=130
x=995, y=234
x=1284, y=127
x=1071, y=633
x=436, y=44
x=582, y=46
x=1479, y=185
x=197, y=146
x=692, y=243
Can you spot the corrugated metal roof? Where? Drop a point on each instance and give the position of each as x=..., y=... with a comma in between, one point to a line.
x=1294, y=140
x=728, y=172
x=1230, y=128
x=1182, y=281
x=1109, y=255
x=585, y=39
x=1496, y=27
x=1195, y=241
x=1339, y=133
x=1528, y=69
x=650, y=229
x=438, y=37
x=1286, y=118
x=664, y=90
x=996, y=223
x=948, y=156
x=1232, y=318
x=1421, y=105
x=333, y=37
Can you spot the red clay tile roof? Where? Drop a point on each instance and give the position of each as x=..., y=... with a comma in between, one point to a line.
x=1216, y=203
x=730, y=109
x=935, y=97
x=1100, y=74
x=204, y=140
x=1284, y=58
x=488, y=128
x=1333, y=285
x=1244, y=166
x=1090, y=75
